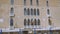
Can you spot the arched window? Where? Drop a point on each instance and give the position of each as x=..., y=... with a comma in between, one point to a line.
x=24, y=2
x=38, y=21
x=25, y=11
x=47, y=3
x=28, y=11
x=35, y=22
x=28, y=22
x=31, y=21
x=11, y=21
x=25, y=22
x=30, y=2
x=37, y=2
x=31, y=11
x=37, y=11
x=49, y=20
x=12, y=10
x=34, y=11
x=48, y=11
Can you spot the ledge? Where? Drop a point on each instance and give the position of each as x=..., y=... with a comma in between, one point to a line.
x=18, y=29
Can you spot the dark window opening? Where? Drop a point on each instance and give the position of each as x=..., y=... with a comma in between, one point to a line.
x=47, y=3
x=24, y=2
x=11, y=21
x=49, y=20
x=48, y=11
x=37, y=2
x=25, y=12
x=28, y=22
x=30, y=2
x=28, y=11
x=38, y=22
x=34, y=11
x=35, y=22
x=31, y=11
x=12, y=10
x=24, y=22
x=37, y=11
x=31, y=21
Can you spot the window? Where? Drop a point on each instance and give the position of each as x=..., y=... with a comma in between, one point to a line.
x=24, y=2
x=31, y=21
x=37, y=11
x=48, y=11
x=25, y=11
x=24, y=22
x=11, y=21
x=30, y=2
x=34, y=11
x=49, y=20
x=12, y=11
x=28, y=11
x=31, y=11
x=35, y=22
x=38, y=22
x=12, y=2
x=28, y=22
x=37, y=2
x=47, y=3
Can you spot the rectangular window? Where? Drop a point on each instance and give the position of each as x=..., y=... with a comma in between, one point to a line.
x=37, y=2
x=11, y=21
x=30, y=2
x=24, y=2
x=12, y=2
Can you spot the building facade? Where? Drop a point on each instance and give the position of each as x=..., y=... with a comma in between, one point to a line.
x=30, y=16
